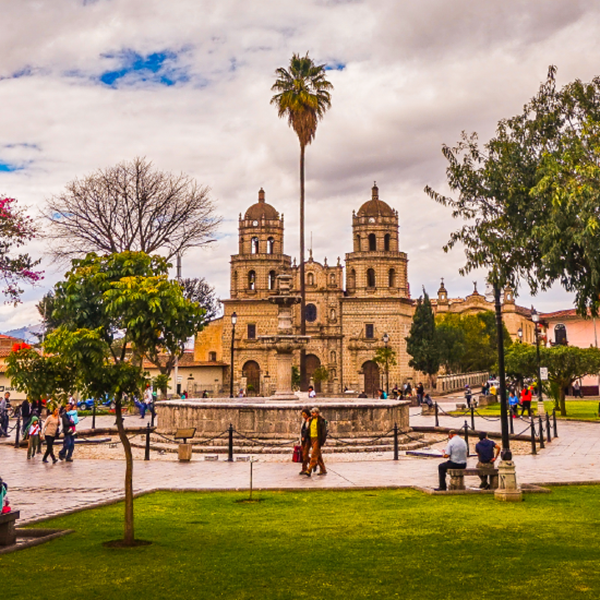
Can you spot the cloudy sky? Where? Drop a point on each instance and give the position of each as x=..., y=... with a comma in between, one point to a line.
x=86, y=84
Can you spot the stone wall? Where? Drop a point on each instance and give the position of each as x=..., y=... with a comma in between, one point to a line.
x=280, y=420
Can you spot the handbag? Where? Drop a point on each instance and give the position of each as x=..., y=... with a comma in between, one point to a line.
x=297, y=454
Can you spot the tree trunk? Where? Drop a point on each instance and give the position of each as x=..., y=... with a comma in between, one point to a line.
x=129, y=537
x=303, y=381
x=563, y=405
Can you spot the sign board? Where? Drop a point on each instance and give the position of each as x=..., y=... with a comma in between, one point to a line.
x=544, y=373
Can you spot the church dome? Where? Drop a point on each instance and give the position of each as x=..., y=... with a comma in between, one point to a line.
x=375, y=207
x=261, y=210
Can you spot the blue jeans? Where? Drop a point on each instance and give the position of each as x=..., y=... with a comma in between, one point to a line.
x=68, y=446
x=4, y=423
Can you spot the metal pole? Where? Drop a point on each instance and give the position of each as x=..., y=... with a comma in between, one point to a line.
x=17, y=431
x=542, y=445
x=510, y=422
x=395, y=441
x=231, y=361
x=533, y=449
x=251, y=463
x=554, y=419
x=473, y=418
x=147, y=452
x=230, y=456
x=548, y=427
x=437, y=417
x=467, y=437
x=94, y=414
x=506, y=453
x=539, y=372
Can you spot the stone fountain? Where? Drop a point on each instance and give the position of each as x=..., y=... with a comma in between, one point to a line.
x=284, y=341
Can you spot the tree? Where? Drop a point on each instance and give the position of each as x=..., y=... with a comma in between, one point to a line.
x=421, y=343
x=302, y=98
x=16, y=229
x=320, y=374
x=114, y=310
x=385, y=357
x=130, y=207
x=565, y=365
x=452, y=346
x=200, y=291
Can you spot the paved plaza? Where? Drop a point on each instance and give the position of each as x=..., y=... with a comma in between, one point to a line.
x=42, y=490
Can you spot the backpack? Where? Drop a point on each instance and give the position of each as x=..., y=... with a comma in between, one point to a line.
x=325, y=430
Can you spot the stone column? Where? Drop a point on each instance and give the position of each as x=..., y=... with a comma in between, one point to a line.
x=508, y=490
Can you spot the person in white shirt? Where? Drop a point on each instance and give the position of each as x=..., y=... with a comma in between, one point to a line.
x=311, y=392
x=456, y=451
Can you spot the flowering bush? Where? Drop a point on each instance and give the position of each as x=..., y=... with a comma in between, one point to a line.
x=16, y=229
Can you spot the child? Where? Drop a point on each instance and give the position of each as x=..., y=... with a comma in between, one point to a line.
x=34, y=437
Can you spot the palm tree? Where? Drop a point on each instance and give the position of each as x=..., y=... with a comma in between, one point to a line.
x=303, y=98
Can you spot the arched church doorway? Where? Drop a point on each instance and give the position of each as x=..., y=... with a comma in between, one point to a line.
x=372, y=377
x=312, y=364
x=251, y=371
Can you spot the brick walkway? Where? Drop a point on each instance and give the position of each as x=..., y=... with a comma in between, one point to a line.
x=43, y=490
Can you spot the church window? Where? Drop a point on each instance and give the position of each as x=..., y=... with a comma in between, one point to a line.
x=386, y=242
x=272, y=276
x=310, y=313
x=392, y=278
x=332, y=279
x=251, y=331
x=352, y=280
x=212, y=356
x=251, y=280
x=254, y=245
x=371, y=278
x=372, y=242
x=357, y=249
x=369, y=331
x=310, y=279
x=270, y=246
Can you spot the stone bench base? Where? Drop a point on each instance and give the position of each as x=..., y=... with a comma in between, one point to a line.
x=8, y=532
x=457, y=477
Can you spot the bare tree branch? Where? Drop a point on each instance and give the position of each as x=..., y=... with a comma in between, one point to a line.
x=131, y=206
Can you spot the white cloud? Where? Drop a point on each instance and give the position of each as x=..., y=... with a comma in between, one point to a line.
x=415, y=75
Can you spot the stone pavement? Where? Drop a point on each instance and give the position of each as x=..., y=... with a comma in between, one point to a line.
x=43, y=490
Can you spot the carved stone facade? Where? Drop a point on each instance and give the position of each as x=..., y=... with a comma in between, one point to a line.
x=346, y=321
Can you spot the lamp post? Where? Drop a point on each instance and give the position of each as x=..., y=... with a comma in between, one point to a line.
x=233, y=322
x=535, y=317
x=386, y=339
x=520, y=334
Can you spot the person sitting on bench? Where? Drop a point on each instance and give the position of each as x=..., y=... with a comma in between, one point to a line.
x=456, y=451
x=488, y=452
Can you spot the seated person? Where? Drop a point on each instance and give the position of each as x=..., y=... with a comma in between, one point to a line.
x=363, y=395
x=487, y=452
x=456, y=451
x=428, y=401
x=513, y=404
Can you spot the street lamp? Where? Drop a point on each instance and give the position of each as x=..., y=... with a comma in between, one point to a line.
x=520, y=334
x=386, y=339
x=233, y=322
x=535, y=317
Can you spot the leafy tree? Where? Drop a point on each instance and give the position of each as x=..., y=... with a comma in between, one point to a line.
x=302, y=98
x=565, y=365
x=16, y=229
x=295, y=378
x=421, y=343
x=114, y=310
x=452, y=346
x=320, y=374
x=130, y=207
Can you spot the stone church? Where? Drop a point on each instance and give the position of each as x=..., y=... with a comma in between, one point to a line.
x=348, y=310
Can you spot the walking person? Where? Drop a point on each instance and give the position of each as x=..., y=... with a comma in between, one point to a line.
x=526, y=398
x=318, y=434
x=4, y=406
x=305, y=439
x=33, y=445
x=456, y=451
x=468, y=395
x=420, y=394
x=68, y=427
x=25, y=416
x=50, y=433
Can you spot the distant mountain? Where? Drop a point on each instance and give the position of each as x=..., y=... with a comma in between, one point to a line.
x=30, y=333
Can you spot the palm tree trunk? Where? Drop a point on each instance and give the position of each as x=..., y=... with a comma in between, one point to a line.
x=303, y=382
x=128, y=537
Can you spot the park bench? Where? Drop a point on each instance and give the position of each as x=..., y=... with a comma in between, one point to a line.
x=457, y=477
x=8, y=532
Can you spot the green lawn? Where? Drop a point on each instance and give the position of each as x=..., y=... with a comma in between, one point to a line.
x=580, y=410
x=323, y=545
